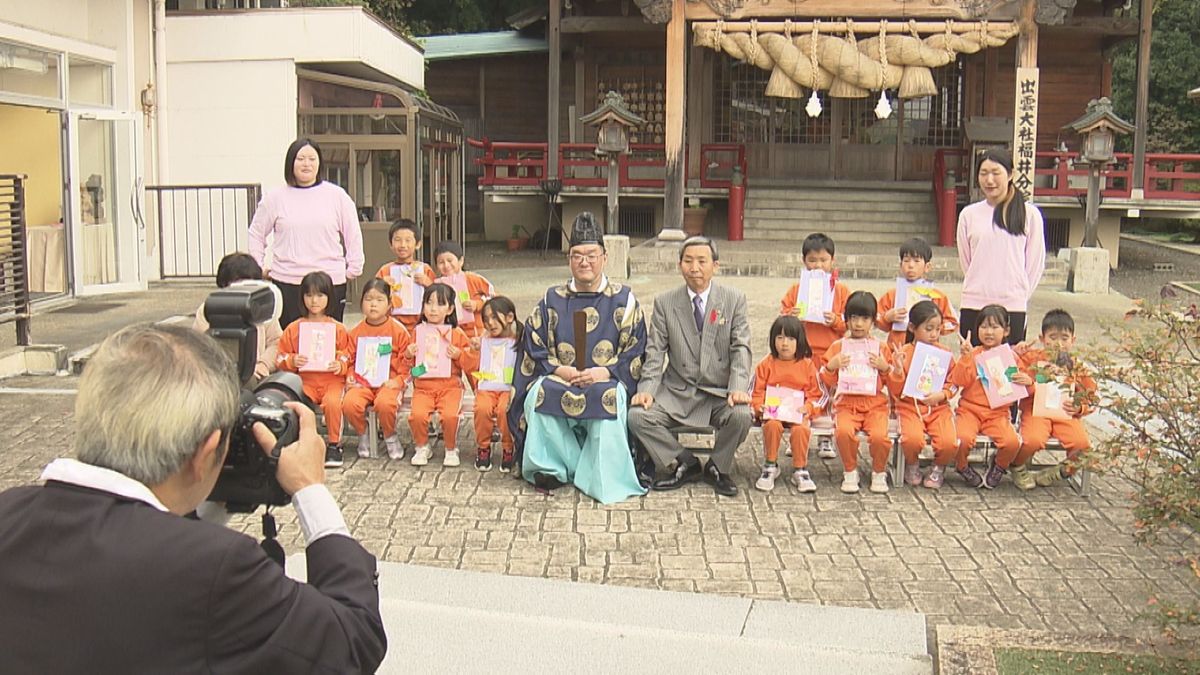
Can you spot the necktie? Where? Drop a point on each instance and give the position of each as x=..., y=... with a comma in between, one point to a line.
x=698, y=312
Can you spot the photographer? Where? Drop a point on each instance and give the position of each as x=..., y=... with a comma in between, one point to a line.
x=100, y=574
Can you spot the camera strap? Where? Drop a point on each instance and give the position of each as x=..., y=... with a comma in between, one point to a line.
x=269, y=544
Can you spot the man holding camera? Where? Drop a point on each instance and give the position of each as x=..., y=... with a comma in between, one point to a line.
x=100, y=573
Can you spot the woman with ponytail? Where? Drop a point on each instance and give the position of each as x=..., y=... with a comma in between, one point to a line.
x=1001, y=247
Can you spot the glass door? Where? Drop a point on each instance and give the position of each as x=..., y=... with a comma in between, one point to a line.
x=107, y=233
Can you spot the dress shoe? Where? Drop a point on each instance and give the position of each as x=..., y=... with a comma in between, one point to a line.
x=546, y=482
x=722, y=483
x=684, y=473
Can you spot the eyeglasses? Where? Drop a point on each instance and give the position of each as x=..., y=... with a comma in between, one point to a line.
x=591, y=258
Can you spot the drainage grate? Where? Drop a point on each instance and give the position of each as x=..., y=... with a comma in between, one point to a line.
x=88, y=308
x=1164, y=267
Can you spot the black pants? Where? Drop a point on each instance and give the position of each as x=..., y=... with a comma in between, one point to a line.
x=966, y=323
x=293, y=303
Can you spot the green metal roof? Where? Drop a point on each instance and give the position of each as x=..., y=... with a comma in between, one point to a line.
x=474, y=45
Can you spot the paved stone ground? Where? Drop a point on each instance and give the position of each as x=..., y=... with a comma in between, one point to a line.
x=1046, y=560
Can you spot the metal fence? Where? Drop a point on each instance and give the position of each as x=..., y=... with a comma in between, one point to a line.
x=199, y=224
x=14, y=270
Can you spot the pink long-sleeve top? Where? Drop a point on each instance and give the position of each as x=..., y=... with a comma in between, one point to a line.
x=999, y=268
x=311, y=226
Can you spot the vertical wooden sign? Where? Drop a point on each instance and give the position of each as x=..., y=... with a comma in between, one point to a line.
x=1025, y=114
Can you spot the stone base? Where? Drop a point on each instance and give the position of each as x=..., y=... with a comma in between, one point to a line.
x=1089, y=271
x=33, y=360
x=670, y=235
x=617, y=248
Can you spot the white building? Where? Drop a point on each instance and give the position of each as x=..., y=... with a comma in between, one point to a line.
x=99, y=98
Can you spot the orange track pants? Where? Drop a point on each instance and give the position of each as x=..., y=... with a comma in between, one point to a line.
x=385, y=400
x=995, y=424
x=772, y=432
x=849, y=422
x=326, y=392
x=447, y=400
x=938, y=424
x=491, y=407
x=1035, y=431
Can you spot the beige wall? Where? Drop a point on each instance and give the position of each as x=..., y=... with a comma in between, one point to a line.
x=1109, y=231
x=499, y=217
x=34, y=152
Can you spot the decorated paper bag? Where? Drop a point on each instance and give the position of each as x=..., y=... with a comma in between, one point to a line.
x=318, y=344
x=372, y=360
x=459, y=283
x=859, y=376
x=996, y=368
x=784, y=404
x=814, y=297
x=927, y=372
x=909, y=293
x=432, y=358
x=406, y=292
x=497, y=358
x=1048, y=400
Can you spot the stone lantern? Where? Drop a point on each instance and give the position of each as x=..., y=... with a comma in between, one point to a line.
x=614, y=121
x=1099, y=127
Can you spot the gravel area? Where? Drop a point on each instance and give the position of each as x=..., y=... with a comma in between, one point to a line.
x=1136, y=278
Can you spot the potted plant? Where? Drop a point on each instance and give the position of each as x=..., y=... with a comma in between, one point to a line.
x=694, y=216
x=519, y=238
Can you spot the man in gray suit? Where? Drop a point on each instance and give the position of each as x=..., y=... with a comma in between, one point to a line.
x=702, y=332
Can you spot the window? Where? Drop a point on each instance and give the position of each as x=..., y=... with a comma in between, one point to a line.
x=89, y=82
x=29, y=72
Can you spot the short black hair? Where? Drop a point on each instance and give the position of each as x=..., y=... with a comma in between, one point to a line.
x=861, y=303
x=405, y=224
x=237, y=266
x=817, y=241
x=699, y=240
x=317, y=282
x=997, y=312
x=916, y=248
x=445, y=294
x=448, y=246
x=790, y=326
x=376, y=284
x=289, y=160
x=1060, y=319
x=922, y=312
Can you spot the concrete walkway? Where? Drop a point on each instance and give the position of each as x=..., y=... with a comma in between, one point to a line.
x=471, y=622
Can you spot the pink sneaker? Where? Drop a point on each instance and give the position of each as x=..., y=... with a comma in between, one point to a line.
x=912, y=474
x=936, y=477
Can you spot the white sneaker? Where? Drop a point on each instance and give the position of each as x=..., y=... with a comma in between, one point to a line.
x=395, y=449
x=825, y=449
x=804, y=482
x=850, y=482
x=879, y=482
x=421, y=455
x=451, y=458
x=363, y=446
x=766, y=481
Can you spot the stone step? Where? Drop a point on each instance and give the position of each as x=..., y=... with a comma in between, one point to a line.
x=844, y=239
x=875, y=196
x=441, y=620
x=868, y=221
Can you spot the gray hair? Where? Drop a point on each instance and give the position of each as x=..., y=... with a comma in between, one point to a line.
x=149, y=397
x=699, y=240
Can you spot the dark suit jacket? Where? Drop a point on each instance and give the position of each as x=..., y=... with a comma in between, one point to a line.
x=91, y=582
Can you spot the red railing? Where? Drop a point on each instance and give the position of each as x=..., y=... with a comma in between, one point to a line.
x=1167, y=176
x=644, y=166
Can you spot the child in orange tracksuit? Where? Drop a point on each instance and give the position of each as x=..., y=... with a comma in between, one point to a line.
x=404, y=238
x=789, y=365
x=491, y=406
x=930, y=415
x=818, y=251
x=323, y=383
x=1058, y=336
x=448, y=256
x=386, y=397
x=975, y=415
x=860, y=412
x=916, y=257
x=441, y=393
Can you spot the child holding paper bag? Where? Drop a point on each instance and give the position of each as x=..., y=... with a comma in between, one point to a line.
x=438, y=351
x=916, y=259
x=975, y=412
x=404, y=238
x=1060, y=382
x=448, y=256
x=854, y=412
x=818, y=257
x=318, y=348
x=789, y=368
x=493, y=381
x=922, y=393
x=378, y=369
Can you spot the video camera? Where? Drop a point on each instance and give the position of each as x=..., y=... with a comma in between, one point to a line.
x=248, y=476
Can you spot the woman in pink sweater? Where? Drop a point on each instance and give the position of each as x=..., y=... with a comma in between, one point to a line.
x=315, y=227
x=1001, y=247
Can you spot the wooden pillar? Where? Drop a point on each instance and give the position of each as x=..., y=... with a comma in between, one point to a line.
x=1141, y=115
x=677, y=45
x=1025, y=97
x=554, y=91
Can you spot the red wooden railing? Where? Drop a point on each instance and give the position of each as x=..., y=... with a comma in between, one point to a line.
x=644, y=166
x=1167, y=176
